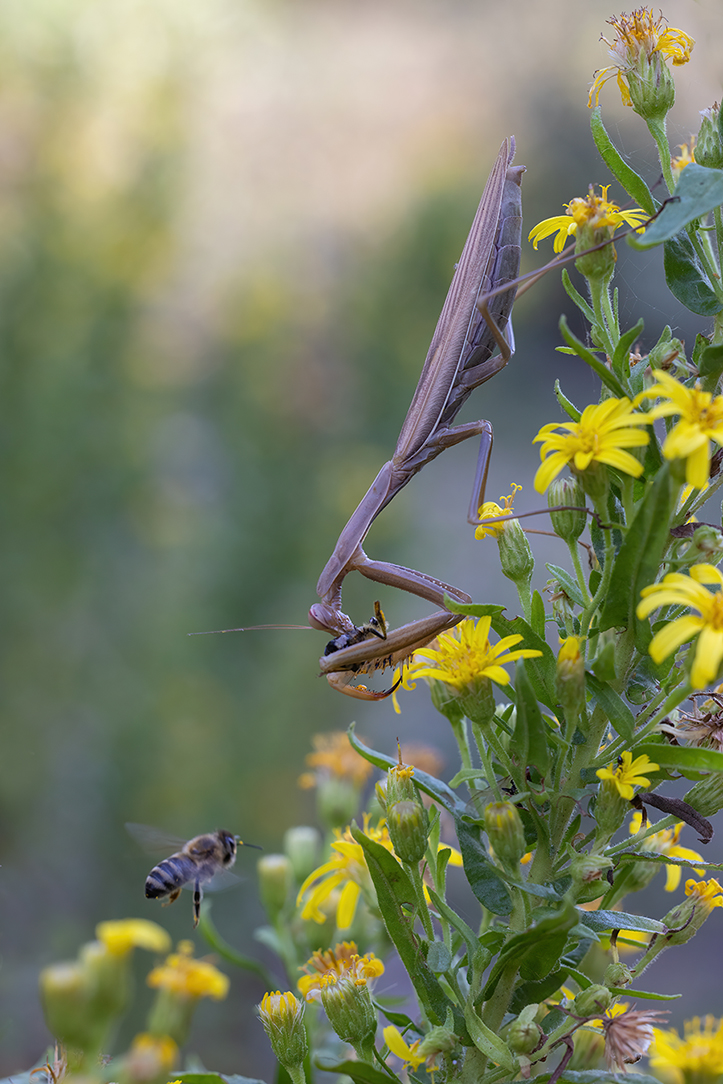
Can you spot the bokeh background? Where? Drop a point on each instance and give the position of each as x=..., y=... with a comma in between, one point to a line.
x=226, y=231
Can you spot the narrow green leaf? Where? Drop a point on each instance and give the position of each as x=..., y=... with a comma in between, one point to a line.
x=711, y=361
x=394, y=890
x=698, y=191
x=566, y=404
x=619, y=920
x=592, y=1076
x=598, y=366
x=486, y=1041
x=633, y=184
x=484, y=879
x=360, y=1071
x=542, y=956
x=536, y=992
x=439, y=958
x=467, y=934
x=686, y=758
x=432, y=786
x=638, y=560
x=577, y=299
x=530, y=730
x=613, y=706
x=646, y=995
x=567, y=583
x=551, y=927
x=621, y=357
x=686, y=279
x=537, y=614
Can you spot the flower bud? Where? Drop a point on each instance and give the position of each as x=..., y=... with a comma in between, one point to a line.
x=282, y=1016
x=570, y=524
x=706, y=797
x=445, y=702
x=408, y=824
x=400, y=784
x=516, y=558
x=570, y=677
x=617, y=975
x=301, y=846
x=439, y=1040
x=684, y=920
x=506, y=834
x=667, y=352
x=595, y=479
x=524, y=1035
x=149, y=1060
x=72, y=1017
x=478, y=704
x=708, y=148
x=593, y=1001
x=706, y=545
x=587, y=872
x=349, y=1009
x=651, y=85
x=275, y=883
x=337, y=801
x=596, y=265
x=610, y=811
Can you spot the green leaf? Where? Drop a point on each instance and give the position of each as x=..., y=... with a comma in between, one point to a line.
x=537, y=614
x=435, y=788
x=612, y=706
x=536, y=992
x=566, y=404
x=633, y=184
x=399, y=1019
x=566, y=581
x=711, y=361
x=530, y=730
x=621, y=357
x=439, y=958
x=486, y=1041
x=592, y=1076
x=685, y=758
x=213, y=1078
x=394, y=890
x=599, y=921
x=577, y=299
x=603, y=665
x=698, y=191
x=533, y=951
x=638, y=560
x=360, y=1071
x=645, y=994
x=686, y=279
x=484, y=879
x=598, y=366
x=468, y=935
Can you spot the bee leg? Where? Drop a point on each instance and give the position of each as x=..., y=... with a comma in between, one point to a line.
x=173, y=896
x=197, y=897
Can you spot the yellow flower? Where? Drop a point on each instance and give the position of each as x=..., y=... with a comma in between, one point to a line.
x=334, y=756
x=696, y=1058
x=399, y=1046
x=666, y=842
x=464, y=656
x=707, y=894
x=597, y=212
x=491, y=510
x=676, y=589
x=638, y=34
x=191, y=978
x=701, y=420
x=121, y=936
x=150, y=1054
x=346, y=867
x=343, y=959
x=686, y=156
x=627, y=773
x=600, y=435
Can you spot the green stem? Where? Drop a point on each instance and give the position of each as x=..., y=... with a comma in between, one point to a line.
x=598, y=295
x=658, y=131
x=484, y=755
x=365, y=1051
x=461, y=736
x=296, y=1073
x=412, y=869
x=602, y=590
x=580, y=575
x=676, y=697
x=705, y=255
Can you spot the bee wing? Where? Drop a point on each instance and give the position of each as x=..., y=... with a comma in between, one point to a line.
x=220, y=881
x=153, y=840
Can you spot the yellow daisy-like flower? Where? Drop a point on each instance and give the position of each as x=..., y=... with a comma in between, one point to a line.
x=398, y=1045
x=121, y=936
x=598, y=212
x=666, y=842
x=707, y=894
x=701, y=420
x=343, y=959
x=334, y=757
x=687, y=155
x=187, y=977
x=677, y=589
x=698, y=1057
x=627, y=773
x=599, y=437
x=464, y=656
x=491, y=510
x=150, y=1055
x=346, y=870
x=639, y=35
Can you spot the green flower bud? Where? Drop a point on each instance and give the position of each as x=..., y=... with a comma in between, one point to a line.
x=439, y=1040
x=400, y=784
x=506, y=834
x=593, y=1001
x=587, y=872
x=283, y=1018
x=337, y=801
x=524, y=1035
x=599, y=264
x=610, y=811
x=516, y=558
x=408, y=824
x=706, y=545
x=667, y=352
x=570, y=677
x=706, y=797
x=275, y=883
x=618, y=975
x=66, y=993
x=651, y=85
x=570, y=524
x=595, y=479
x=445, y=702
x=479, y=705
x=301, y=846
x=350, y=1010
x=684, y=920
x=708, y=148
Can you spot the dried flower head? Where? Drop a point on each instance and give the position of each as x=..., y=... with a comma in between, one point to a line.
x=628, y=1035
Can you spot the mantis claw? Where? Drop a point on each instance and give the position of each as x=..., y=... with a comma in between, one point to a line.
x=340, y=680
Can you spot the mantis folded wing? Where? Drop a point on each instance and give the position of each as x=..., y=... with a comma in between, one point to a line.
x=460, y=358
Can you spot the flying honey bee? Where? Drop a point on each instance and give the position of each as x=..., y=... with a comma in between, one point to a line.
x=203, y=861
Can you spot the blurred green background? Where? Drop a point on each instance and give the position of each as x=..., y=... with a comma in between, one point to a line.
x=226, y=231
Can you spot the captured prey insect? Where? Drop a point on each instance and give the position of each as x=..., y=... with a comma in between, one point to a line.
x=460, y=358
x=202, y=861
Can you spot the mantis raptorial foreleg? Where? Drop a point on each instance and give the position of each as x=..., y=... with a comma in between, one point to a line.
x=459, y=360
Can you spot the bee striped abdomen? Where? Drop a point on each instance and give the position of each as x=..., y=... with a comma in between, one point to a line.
x=168, y=876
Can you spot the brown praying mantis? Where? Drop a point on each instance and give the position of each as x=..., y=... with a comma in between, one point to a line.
x=460, y=358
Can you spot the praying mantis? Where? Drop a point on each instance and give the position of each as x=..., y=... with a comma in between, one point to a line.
x=460, y=358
